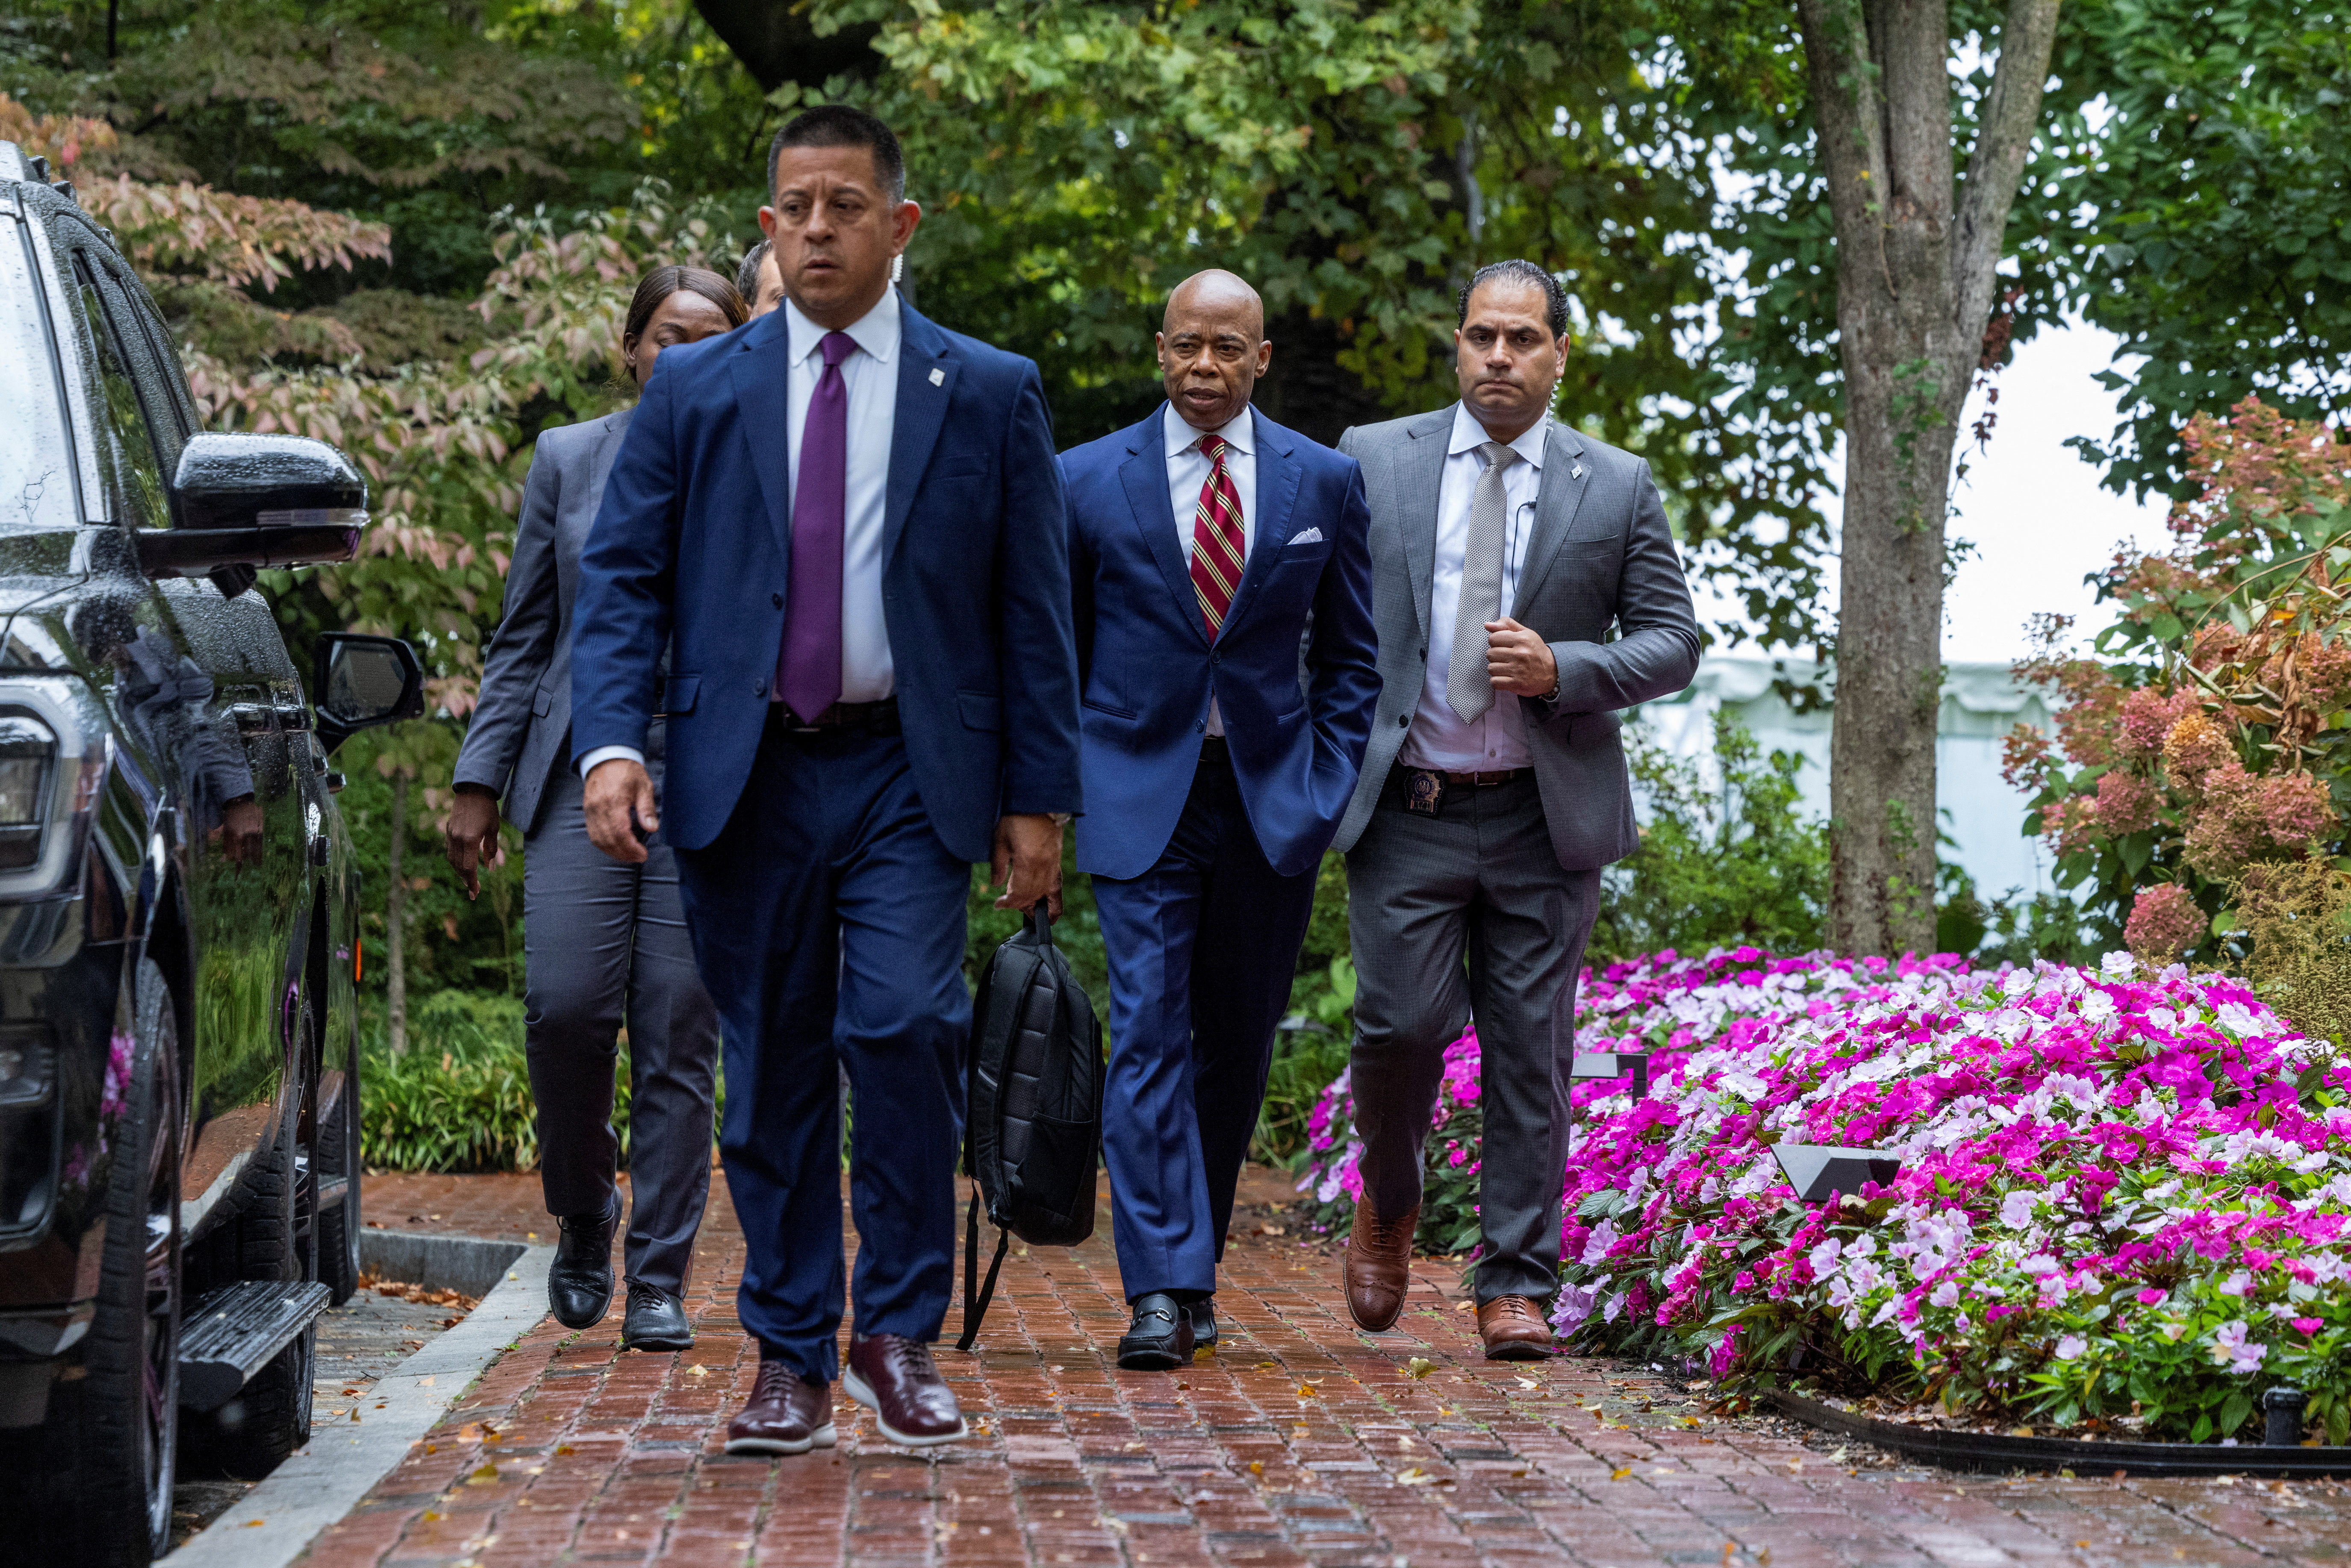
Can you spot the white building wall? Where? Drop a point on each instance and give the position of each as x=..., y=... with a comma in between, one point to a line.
x=1981, y=703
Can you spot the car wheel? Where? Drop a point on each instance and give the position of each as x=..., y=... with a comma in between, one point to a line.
x=338, y=1216
x=274, y=1238
x=99, y=1467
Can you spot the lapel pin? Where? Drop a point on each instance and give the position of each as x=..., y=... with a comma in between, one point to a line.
x=939, y=379
x=1576, y=472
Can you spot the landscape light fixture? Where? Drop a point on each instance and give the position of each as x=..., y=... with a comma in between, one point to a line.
x=1821, y=1171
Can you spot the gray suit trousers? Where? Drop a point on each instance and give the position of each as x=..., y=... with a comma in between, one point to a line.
x=607, y=942
x=1463, y=914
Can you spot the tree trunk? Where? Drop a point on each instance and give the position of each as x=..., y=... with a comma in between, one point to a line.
x=776, y=42
x=1915, y=252
x=395, y=918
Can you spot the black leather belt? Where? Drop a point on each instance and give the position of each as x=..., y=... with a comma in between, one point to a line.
x=1422, y=790
x=859, y=719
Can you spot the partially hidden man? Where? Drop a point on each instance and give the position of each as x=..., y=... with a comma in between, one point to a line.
x=1526, y=588
x=1222, y=580
x=853, y=523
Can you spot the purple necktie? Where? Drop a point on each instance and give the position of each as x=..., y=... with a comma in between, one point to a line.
x=808, y=675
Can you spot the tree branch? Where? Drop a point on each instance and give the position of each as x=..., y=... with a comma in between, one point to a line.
x=2012, y=111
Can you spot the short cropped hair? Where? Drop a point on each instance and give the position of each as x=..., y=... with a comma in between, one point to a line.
x=837, y=125
x=1517, y=270
x=747, y=276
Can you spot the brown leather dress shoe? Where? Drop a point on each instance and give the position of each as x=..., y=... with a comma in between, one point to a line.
x=895, y=1378
x=787, y=1414
x=1377, y=1269
x=1514, y=1330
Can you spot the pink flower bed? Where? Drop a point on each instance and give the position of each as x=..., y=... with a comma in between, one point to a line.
x=2123, y=1199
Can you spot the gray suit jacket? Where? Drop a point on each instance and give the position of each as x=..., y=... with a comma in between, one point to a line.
x=1601, y=556
x=523, y=720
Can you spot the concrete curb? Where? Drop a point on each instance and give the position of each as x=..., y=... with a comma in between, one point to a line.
x=321, y=1483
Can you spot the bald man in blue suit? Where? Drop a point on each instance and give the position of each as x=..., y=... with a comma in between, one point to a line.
x=1221, y=572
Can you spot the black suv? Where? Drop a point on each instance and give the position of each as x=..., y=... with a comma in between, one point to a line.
x=179, y=933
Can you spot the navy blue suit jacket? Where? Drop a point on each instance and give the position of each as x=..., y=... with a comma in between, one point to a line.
x=694, y=541
x=1294, y=672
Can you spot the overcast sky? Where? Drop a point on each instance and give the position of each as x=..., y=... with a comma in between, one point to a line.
x=2036, y=513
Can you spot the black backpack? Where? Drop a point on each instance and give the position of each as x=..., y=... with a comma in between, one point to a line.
x=1033, y=1115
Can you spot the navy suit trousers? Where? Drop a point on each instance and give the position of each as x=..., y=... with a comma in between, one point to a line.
x=827, y=921
x=1201, y=947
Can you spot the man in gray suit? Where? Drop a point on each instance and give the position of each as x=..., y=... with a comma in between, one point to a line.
x=1504, y=547
x=604, y=942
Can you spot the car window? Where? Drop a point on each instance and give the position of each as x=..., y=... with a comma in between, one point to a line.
x=37, y=463
x=130, y=460
x=163, y=383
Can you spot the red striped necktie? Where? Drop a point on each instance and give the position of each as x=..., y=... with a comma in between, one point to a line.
x=1219, y=546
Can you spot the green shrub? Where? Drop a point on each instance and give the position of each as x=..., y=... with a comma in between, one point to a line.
x=459, y=1100
x=1720, y=863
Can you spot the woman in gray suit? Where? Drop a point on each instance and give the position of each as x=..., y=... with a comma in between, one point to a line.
x=602, y=941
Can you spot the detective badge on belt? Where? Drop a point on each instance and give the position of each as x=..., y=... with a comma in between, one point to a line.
x=1423, y=791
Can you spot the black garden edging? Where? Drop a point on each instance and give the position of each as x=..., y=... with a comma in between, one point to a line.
x=1991, y=1451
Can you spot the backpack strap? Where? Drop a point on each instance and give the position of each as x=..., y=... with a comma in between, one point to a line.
x=975, y=1306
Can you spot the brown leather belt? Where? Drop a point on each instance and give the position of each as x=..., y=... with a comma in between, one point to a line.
x=866, y=718
x=1499, y=776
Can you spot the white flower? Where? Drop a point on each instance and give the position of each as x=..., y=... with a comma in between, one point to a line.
x=1596, y=1244
x=2016, y=1210
x=2236, y=1284
x=1823, y=1257
x=1571, y=1307
x=2070, y=1346
x=2171, y=1329
x=2118, y=965
x=2039, y=1263
x=2229, y=1349
x=1946, y=1294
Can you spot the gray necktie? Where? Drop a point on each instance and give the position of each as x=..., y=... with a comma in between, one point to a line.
x=1468, y=689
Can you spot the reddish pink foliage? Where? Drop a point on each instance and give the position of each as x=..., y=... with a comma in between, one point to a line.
x=2164, y=923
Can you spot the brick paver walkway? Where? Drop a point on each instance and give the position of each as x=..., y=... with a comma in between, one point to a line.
x=1302, y=1442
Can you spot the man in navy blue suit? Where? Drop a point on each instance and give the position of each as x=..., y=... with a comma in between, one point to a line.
x=1222, y=574
x=851, y=524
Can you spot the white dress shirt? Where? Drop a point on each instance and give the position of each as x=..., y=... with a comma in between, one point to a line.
x=1497, y=739
x=870, y=375
x=1187, y=471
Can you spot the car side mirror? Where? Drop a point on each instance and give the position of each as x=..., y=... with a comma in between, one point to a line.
x=363, y=682
x=240, y=501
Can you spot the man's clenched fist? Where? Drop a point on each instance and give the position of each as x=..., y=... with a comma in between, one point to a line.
x=620, y=800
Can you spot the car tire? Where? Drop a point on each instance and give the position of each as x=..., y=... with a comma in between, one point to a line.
x=97, y=1473
x=338, y=1223
x=274, y=1239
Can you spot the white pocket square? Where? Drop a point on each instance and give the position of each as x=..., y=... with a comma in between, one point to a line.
x=1309, y=537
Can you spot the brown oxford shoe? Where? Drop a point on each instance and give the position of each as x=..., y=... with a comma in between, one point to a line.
x=787, y=1414
x=1514, y=1330
x=894, y=1377
x=1377, y=1269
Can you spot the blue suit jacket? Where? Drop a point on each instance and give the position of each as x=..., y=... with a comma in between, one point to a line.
x=693, y=540
x=1294, y=672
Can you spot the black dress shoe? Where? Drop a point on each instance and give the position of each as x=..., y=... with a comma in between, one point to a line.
x=1161, y=1337
x=656, y=1319
x=579, y=1282
x=1203, y=1313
